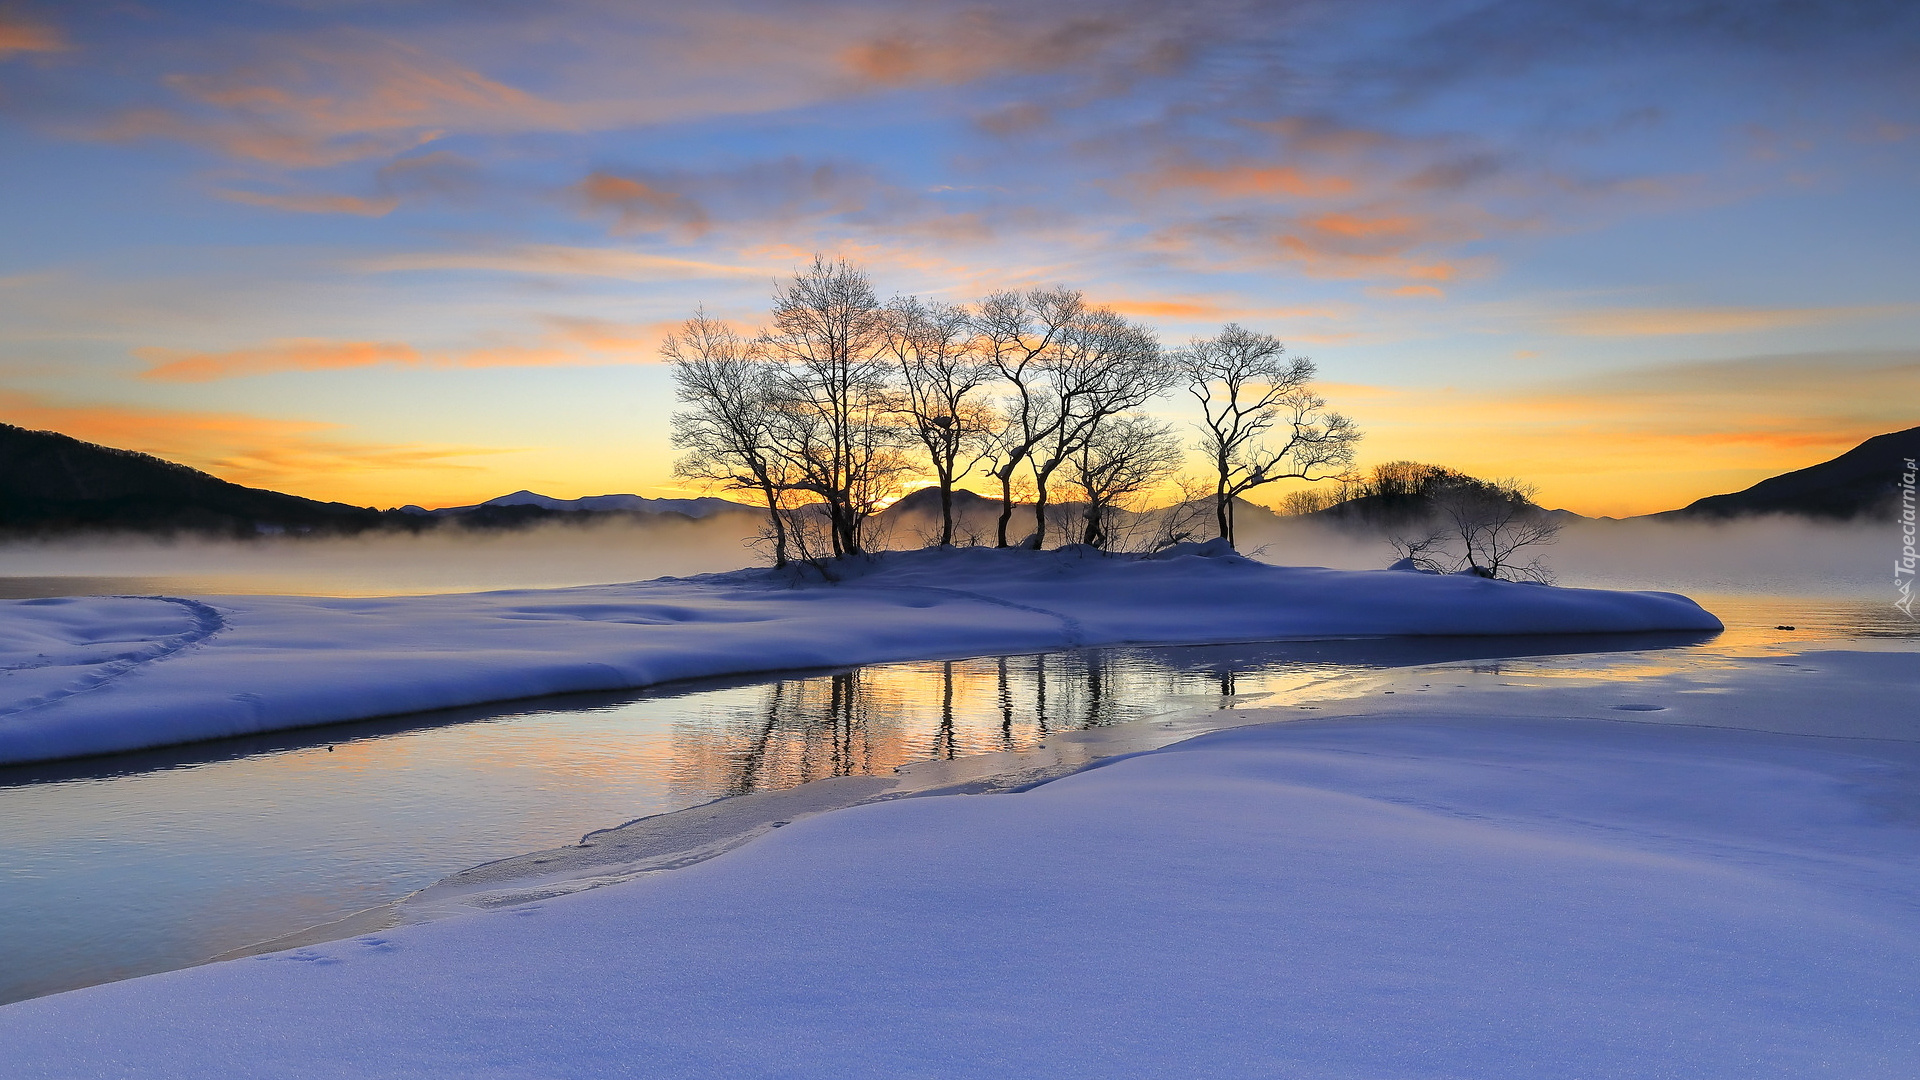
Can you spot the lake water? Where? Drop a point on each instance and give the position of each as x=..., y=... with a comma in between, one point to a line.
x=114, y=867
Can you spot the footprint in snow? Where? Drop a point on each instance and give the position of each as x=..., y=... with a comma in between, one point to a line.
x=307, y=956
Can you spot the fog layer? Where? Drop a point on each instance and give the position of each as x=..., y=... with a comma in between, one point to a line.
x=1778, y=556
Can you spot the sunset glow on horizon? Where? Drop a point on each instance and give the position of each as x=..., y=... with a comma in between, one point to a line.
x=425, y=253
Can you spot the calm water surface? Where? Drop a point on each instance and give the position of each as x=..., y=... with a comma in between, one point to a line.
x=114, y=867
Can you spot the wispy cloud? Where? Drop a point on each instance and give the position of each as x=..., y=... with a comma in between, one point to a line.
x=561, y=259
x=316, y=203
x=1336, y=246
x=339, y=97
x=19, y=34
x=566, y=341
x=300, y=354
x=1665, y=322
x=1244, y=181
x=976, y=42
x=436, y=175
x=753, y=196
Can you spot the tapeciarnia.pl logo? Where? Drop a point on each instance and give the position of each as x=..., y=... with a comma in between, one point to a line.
x=1903, y=567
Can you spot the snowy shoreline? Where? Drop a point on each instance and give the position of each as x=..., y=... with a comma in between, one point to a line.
x=103, y=675
x=1851, y=695
x=1454, y=870
x=1395, y=895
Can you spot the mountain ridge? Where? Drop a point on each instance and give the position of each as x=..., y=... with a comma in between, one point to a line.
x=50, y=482
x=1852, y=485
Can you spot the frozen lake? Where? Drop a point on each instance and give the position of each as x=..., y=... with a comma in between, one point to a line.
x=137, y=863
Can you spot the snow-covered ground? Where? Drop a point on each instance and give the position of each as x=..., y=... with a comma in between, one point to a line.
x=1695, y=862
x=104, y=674
x=1438, y=895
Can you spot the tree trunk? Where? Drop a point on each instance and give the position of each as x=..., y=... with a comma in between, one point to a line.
x=1006, y=504
x=779, y=524
x=837, y=528
x=946, y=512
x=1039, y=541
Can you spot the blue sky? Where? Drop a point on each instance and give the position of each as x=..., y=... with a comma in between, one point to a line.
x=423, y=251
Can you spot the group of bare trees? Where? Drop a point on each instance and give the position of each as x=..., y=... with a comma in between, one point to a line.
x=1491, y=528
x=1442, y=520
x=843, y=401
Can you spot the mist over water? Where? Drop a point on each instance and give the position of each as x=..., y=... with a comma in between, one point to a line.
x=1770, y=556
x=554, y=555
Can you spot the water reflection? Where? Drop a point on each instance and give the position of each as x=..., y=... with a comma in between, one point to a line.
x=872, y=720
x=137, y=863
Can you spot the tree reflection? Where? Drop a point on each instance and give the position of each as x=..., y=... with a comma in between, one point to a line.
x=872, y=720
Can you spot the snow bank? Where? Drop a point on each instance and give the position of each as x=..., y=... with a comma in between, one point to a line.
x=1436, y=897
x=101, y=675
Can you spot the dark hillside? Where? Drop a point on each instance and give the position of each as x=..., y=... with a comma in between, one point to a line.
x=54, y=483
x=1862, y=481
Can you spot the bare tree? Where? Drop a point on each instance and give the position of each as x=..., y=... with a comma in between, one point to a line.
x=1105, y=365
x=1120, y=462
x=1249, y=392
x=727, y=385
x=833, y=420
x=943, y=394
x=1484, y=527
x=1020, y=334
x=1184, y=520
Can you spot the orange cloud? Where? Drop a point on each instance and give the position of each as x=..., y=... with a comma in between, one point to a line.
x=295, y=354
x=345, y=98
x=317, y=204
x=641, y=206
x=1242, y=181
x=639, y=340
x=1662, y=322
x=570, y=341
x=1167, y=309
x=790, y=197
x=978, y=44
x=1318, y=258
x=1410, y=290
x=563, y=259
x=1339, y=245
x=17, y=35
x=1351, y=227
x=1196, y=308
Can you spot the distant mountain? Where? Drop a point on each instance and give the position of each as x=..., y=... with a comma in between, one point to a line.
x=630, y=504
x=1862, y=481
x=926, y=500
x=55, y=483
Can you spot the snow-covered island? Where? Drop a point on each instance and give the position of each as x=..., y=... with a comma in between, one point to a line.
x=108, y=674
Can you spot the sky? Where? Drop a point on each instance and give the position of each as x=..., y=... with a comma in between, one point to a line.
x=420, y=251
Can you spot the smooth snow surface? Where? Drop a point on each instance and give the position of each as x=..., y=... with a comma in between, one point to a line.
x=98, y=675
x=1423, y=897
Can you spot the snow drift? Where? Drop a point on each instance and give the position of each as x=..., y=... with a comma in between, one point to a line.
x=1421, y=898
x=107, y=674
